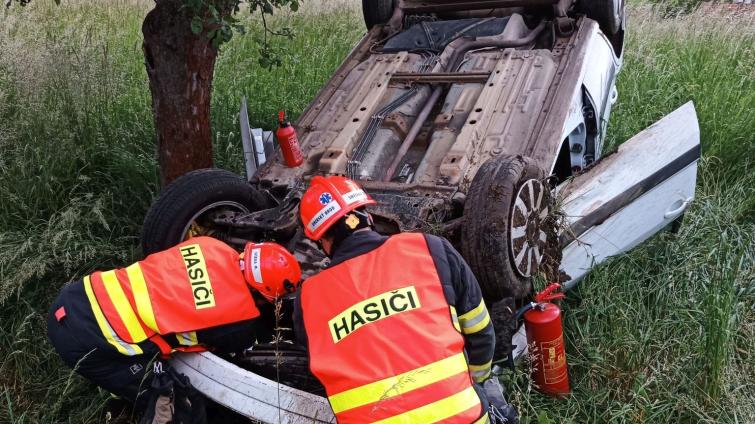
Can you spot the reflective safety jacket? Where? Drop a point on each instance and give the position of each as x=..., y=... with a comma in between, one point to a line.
x=192, y=286
x=383, y=341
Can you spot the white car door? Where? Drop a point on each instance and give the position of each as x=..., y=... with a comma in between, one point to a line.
x=630, y=195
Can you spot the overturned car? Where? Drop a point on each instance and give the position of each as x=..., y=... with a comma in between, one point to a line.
x=481, y=121
x=451, y=115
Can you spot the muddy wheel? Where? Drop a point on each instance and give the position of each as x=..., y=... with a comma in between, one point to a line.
x=503, y=235
x=608, y=13
x=180, y=211
x=289, y=367
x=376, y=12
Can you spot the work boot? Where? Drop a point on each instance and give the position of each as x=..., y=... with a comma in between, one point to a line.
x=501, y=411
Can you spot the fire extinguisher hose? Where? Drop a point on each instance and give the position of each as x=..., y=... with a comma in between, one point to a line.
x=545, y=296
x=521, y=311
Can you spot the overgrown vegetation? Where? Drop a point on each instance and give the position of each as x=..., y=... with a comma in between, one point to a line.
x=666, y=333
x=675, y=8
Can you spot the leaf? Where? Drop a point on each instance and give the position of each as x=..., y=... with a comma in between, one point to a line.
x=240, y=29
x=194, y=5
x=267, y=8
x=543, y=418
x=286, y=32
x=226, y=32
x=294, y=6
x=214, y=12
x=217, y=41
x=196, y=25
x=265, y=62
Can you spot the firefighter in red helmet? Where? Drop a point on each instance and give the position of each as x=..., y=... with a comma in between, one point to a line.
x=199, y=295
x=396, y=327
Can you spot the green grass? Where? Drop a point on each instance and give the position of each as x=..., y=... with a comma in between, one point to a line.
x=663, y=334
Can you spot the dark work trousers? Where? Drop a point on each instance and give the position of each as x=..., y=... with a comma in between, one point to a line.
x=80, y=343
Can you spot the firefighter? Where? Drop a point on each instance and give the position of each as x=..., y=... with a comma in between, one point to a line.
x=193, y=297
x=396, y=327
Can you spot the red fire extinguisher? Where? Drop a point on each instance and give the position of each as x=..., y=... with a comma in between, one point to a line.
x=289, y=142
x=545, y=338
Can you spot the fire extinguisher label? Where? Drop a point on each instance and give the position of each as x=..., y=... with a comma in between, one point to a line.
x=293, y=142
x=554, y=360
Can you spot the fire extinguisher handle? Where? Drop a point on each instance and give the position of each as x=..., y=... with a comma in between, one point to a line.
x=546, y=295
x=552, y=297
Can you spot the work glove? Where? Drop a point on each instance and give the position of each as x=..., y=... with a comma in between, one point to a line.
x=172, y=399
x=501, y=411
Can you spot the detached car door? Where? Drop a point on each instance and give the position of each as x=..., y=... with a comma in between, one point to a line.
x=630, y=195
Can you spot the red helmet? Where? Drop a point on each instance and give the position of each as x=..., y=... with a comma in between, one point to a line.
x=327, y=200
x=270, y=269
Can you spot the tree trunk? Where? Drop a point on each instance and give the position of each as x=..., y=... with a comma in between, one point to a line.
x=180, y=69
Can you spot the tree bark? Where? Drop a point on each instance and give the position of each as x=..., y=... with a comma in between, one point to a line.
x=180, y=68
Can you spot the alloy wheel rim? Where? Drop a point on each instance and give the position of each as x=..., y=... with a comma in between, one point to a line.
x=194, y=229
x=527, y=238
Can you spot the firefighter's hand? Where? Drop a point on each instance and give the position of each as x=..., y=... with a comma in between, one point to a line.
x=501, y=411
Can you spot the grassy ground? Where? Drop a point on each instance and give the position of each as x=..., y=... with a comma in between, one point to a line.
x=664, y=334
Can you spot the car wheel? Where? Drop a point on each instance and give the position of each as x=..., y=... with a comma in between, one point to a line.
x=504, y=234
x=608, y=13
x=181, y=209
x=289, y=367
x=376, y=12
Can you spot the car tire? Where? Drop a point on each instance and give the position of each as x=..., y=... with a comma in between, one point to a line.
x=186, y=199
x=377, y=12
x=287, y=367
x=608, y=13
x=230, y=384
x=502, y=261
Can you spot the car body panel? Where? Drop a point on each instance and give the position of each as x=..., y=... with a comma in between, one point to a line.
x=632, y=194
x=249, y=394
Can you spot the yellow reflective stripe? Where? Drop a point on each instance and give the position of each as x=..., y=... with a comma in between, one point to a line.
x=473, y=313
x=187, y=339
x=480, y=372
x=107, y=331
x=439, y=410
x=398, y=384
x=477, y=327
x=455, y=319
x=481, y=367
x=475, y=320
x=122, y=305
x=141, y=296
